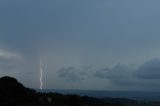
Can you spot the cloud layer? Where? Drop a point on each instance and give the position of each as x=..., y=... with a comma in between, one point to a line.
x=143, y=76
x=149, y=70
x=120, y=74
x=146, y=74
x=74, y=74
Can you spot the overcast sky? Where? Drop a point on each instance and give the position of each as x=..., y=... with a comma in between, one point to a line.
x=83, y=44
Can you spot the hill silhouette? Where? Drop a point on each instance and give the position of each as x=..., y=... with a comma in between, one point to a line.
x=13, y=93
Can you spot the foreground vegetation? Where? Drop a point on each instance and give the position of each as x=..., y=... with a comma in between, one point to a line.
x=13, y=93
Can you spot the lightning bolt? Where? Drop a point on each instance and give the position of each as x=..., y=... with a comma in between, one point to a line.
x=41, y=75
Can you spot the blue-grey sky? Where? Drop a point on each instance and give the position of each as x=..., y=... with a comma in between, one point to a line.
x=84, y=44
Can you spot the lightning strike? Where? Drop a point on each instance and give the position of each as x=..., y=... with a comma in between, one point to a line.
x=41, y=75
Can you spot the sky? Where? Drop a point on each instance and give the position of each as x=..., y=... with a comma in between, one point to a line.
x=83, y=44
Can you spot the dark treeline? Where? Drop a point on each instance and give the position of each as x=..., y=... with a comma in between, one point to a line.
x=13, y=93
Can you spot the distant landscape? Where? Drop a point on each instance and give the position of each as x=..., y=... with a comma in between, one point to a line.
x=137, y=95
x=14, y=93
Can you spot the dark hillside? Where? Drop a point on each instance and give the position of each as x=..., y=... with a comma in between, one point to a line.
x=13, y=93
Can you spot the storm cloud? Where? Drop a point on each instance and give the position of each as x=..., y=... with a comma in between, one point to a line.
x=74, y=74
x=148, y=70
x=119, y=74
x=81, y=41
x=146, y=74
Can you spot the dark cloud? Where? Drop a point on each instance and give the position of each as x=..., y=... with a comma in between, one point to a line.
x=90, y=67
x=120, y=74
x=117, y=75
x=74, y=74
x=148, y=70
x=145, y=75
